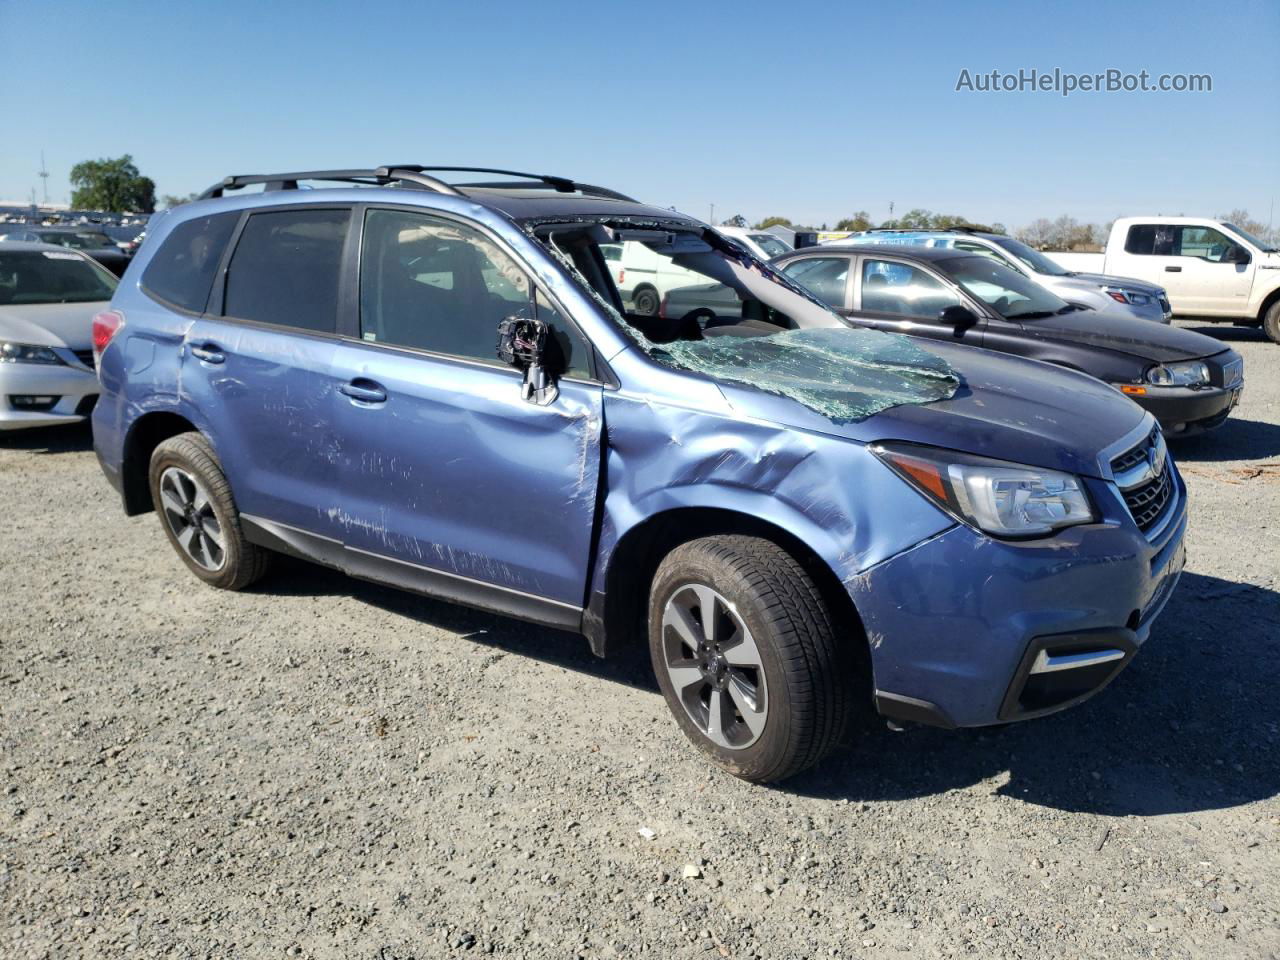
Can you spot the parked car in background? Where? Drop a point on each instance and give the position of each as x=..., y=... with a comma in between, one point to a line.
x=767, y=494
x=92, y=241
x=1105, y=294
x=762, y=243
x=127, y=238
x=644, y=278
x=48, y=297
x=1190, y=382
x=1212, y=269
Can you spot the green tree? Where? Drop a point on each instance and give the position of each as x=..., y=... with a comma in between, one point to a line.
x=737, y=220
x=114, y=185
x=168, y=201
x=859, y=221
x=768, y=222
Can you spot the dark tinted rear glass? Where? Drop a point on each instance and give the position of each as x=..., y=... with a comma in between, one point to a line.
x=182, y=270
x=285, y=269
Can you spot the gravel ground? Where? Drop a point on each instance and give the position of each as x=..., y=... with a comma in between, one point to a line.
x=324, y=768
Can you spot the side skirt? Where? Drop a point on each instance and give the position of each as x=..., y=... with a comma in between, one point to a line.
x=410, y=576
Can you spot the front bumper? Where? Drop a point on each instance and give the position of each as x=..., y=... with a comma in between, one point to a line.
x=73, y=387
x=1184, y=411
x=957, y=624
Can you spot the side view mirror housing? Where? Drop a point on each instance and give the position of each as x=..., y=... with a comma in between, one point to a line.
x=522, y=343
x=957, y=315
x=1237, y=254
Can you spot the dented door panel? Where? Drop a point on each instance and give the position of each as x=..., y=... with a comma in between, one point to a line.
x=268, y=401
x=456, y=473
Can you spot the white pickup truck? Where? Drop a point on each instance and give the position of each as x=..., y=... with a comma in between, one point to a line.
x=1212, y=269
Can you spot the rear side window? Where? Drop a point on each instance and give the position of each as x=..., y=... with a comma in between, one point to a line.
x=181, y=272
x=285, y=269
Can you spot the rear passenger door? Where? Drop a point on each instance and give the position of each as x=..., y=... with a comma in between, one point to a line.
x=259, y=364
x=452, y=483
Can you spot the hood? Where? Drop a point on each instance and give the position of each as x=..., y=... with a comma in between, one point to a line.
x=51, y=324
x=1008, y=408
x=1129, y=283
x=1118, y=332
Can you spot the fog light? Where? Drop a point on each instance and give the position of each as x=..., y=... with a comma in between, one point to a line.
x=31, y=401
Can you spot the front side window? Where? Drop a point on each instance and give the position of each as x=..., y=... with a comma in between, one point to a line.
x=285, y=269
x=903, y=290
x=825, y=277
x=1010, y=294
x=181, y=272
x=436, y=285
x=1203, y=242
x=52, y=276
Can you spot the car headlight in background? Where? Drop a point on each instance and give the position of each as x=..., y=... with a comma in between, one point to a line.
x=1187, y=373
x=1121, y=295
x=26, y=353
x=1000, y=498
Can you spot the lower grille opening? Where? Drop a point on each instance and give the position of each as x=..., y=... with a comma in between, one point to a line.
x=33, y=403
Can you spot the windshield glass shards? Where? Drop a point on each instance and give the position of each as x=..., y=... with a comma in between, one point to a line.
x=845, y=374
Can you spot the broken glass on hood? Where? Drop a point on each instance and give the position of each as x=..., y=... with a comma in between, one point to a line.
x=843, y=373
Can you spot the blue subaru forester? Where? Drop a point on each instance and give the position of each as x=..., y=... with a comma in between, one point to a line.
x=437, y=385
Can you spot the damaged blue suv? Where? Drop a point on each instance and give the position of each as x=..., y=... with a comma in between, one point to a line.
x=436, y=385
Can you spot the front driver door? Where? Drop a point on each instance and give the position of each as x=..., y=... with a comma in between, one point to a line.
x=472, y=491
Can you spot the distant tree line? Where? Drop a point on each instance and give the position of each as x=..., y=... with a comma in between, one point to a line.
x=917, y=219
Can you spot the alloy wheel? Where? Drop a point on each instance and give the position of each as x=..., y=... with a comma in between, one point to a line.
x=714, y=666
x=190, y=516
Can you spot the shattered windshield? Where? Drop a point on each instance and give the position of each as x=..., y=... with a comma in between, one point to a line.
x=695, y=301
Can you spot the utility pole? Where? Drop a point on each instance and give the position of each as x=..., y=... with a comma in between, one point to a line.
x=712, y=221
x=44, y=178
x=890, y=209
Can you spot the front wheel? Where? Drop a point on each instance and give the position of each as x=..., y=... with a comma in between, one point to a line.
x=646, y=302
x=746, y=655
x=1271, y=323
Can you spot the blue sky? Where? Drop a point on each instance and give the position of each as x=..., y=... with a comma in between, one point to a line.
x=810, y=110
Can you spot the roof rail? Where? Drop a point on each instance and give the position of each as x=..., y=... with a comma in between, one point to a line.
x=559, y=184
x=410, y=174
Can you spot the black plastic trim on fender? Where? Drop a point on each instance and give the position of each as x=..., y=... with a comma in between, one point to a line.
x=895, y=706
x=427, y=581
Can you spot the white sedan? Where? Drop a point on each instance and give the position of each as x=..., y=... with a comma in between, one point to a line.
x=48, y=296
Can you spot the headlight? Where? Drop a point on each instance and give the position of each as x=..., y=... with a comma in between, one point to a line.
x=27, y=353
x=999, y=498
x=1187, y=373
x=1121, y=295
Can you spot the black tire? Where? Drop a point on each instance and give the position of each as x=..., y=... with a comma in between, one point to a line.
x=238, y=562
x=1271, y=322
x=645, y=301
x=808, y=682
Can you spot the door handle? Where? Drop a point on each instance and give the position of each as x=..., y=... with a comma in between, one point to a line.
x=209, y=353
x=364, y=391
x=1172, y=269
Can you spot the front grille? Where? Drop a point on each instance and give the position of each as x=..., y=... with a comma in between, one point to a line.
x=85, y=357
x=1151, y=494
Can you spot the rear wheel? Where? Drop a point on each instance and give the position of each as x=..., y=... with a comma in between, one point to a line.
x=745, y=653
x=193, y=500
x=646, y=302
x=1271, y=322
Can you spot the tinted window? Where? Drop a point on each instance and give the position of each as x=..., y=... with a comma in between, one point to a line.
x=897, y=288
x=436, y=285
x=1141, y=239
x=49, y=276
x=181, y=272
x=824, y=277
x=88, y=240
x=285, y=269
